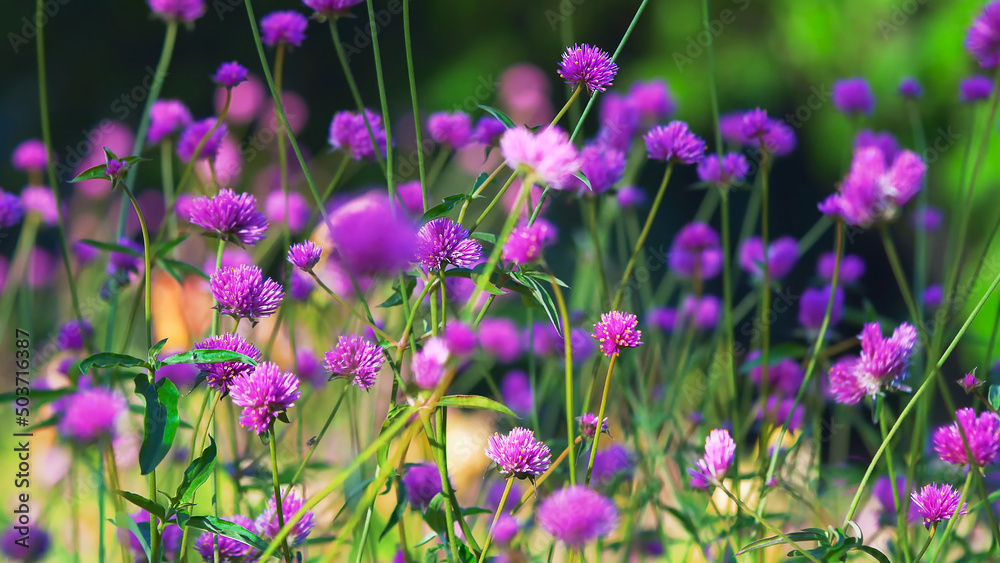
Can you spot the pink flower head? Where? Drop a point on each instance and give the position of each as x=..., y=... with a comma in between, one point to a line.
x=488, y=129
x=11, y=210
x=588, y=425
x=195, y=133
x=852, y=267
x=969, y=382
x=548, y=156
x=975, y=89
x=230, y=216
x=589, y=67
x=576, y=515
x=178, y=10
x=884, y=141
x=453, y=129
x=730, y=170
x=423, y=483
x=331, y=7
x=245, y=100
x=674, y=142
x=230, y=75
x=910, y=88
x=853, y=96
x=631, y=196
x=40, y=200
x=298, y=209
x=712, y=467
x=526, y=242
x=442, y=241
x=500, y=337
x=428, y=364
x=619, y=122
x=702, y=313
x=348, y=132
x=357, y=358
x=369, y=239
x=617, y=330
x=30, y=156
x=286, y=26
x=517, y=394
x=220, y=375
x=696, y=252
x=91, y=414
x=755, y=124
x=244, y=292
x=982, y=433
x=167, y=117
x=781, y=257
x=652, y=100
x=266, y=525
x=305, y=255
x=983, y=39
x=460, y=338
x=784, y=377
x=938, y=502
x=264, y=394
x=602, y=166
x=882, y=364
x=812, y=307
x=518, y=453
x=874, y=190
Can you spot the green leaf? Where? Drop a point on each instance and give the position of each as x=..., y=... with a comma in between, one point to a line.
x=444, y=208
x=110, y=154
x=434, y=515
x=487, y=286
x=479, y=182
x=144, y=503
x=160, y=421
x=542, y=297
x=475, y=402
x=40, y=397
x=207, y=356
x=124, y=522
x=685, y=521
x=397, y=512
x=94, y=173
x=583, y=178
x=398, y=296
x=195, y=475
x=164, y=247
x=156, y=349
x=112, y=247
x=110, y=359
x=777, y=540
x=876, y=554
x=485, y=237
x=177, y=268
x=507, y=122
x=221, y=527
x=995, y=397
x=133, y=160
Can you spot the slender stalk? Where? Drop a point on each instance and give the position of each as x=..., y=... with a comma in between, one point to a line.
x=408, y=45
x=496, y=516
x=361, y=317
x=319, y=437
x=22, y=252
x=479, y=191
x=272, y=443
x=196, y=155
x=775, y=530
x=890, y=468
x=951, y=521
x=441, y=456
x=572, y=98
x=765, y=284
x=591, y=216
x=491, y=205
x=727, y=307
x=74, y=510
x=167, y=179
x=600, y=417
x=385, y=105
x=897, y=270
x=930, y=536
x=568, y=359
x=217, y=315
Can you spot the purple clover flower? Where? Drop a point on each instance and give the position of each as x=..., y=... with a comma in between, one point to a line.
x=526, y=242
x=244, y=292
x=230, y=75
x=617, y=330
x=517, y=394
x=284, y=26
x=167, y=117
x=72, y=334
x=882, y=364
x=518, y=453
x=619, y=122
x=442, y=241
x=933, y=297
x=712, y=467
x=696, y=252
x=652, y=100
x=30, y=156
x=331, y=7
x=264, y=394
x=178, y=10
x=428, y=364
x=784, y=376
x=781, y=257
x=460, y=338
x=631, y=196
x=266, y=524
x=602, y=166
x=91, y=414
x=357, y=358
x=193, y=135
x=587, y=66
x=500, y=337
x=40, y=200
x=975, y=89
x=875, y=189
x=230, y=216
x=928, y=218
x=702, y=313
x=938, y=502
x=614, y=461
x=852, y=267
x=983, y=39
x=349, y=133
x=577, y=514
x=853, y=96
x=755, y=125
x=730, y=170
x=812, y=307
x=219, y=376
x=369, y=238
x=674, y=142
x=28, y=552
x=547, y=156
x=423, y=483
x=910, y=88
x=305, y=255
x=982, y=433
x=11, y=211
x=488, y=130
x=969, y=382
x=298, y=209
x=588, y=425
x=884, y=141
x=453, y=129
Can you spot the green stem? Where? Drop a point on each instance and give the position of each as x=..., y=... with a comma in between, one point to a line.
x=897, y=271
x=930, y=536
x=441, y=456
x=382, y=98
x=492, y=204
x=189, y=167
x=568, y=360
x=167, y=179
x=217, y=315
x=22, y=252
x=591, y=216
x=569, y=102
x=951, y=521
x=278, y=509
x=765, y=286
x=408, y=45
x=496, y=516
x=600, y=417
x=890, y=468
x=319, y=437
x=805, y=553
x=361, y=317
x=479, y=191
x=727, y=314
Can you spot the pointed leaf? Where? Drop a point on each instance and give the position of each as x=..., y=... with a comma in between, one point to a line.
x=777, y=540
x=195, y=475
x=507, y=122
x=583, y=178
x=221, y=527
x=145, y=504
x=94, y=173
x=124, y=522
x=207, y=356
x=475, y=402
x=160, y=421
x=177, y=267
x=443, y=209
x=876, y=554
x=995, y=397
x=109, y=359
x=156, y=349
x=112, y=247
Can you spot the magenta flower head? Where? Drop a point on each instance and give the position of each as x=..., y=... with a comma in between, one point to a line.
x=882, y=364
x=885, y=493
x=712, y=467
x=730, y=170
x=229, y=75
x=613, y=462
x=423, y=483
x=784, y=376
x=30, y=156
x=975, y=89
x=969, y=382
x=852, y=267
x=488, y=129
x=853, y=96
x=933, y=296
x=576, y=515
x=928, y=218
x=883, y=140
x=756, y=125
x=588, y=425
x=442, y=241
x=589, y=67
x=264, y=394
x=14, y=547
x=619, y=121
x=286, y=26
x=812, y=307
x=518, y=453
x=348, y=132
x=702, y=314
x=781, y=257
x=602, y=166
x=526, y=242
x=369, y=238
x=453, y=129
x=193, y=135
x=266, y=525
x=297, y=208
x=428, y=364
x=874, y=190
x=938, y=502
x=516, y=392
x=178, y=10
x=230, y=216
x=229, y=548
x=331, y=7
x=500, y=337
x=982, y=433
x=910, y=88
x=631, y=196
x=11, y=210
x=73, y=333
x=244, y=292
x=652, y=100
x=125, y=262
x=983, y=39
x=695, y=252
x=547, y=156
x=167, y=117
x=91, y=414
x=40, y=200
x=357, y=358
x=219, y=376
x=305, y=255
x=674, y=142
x=617, y=330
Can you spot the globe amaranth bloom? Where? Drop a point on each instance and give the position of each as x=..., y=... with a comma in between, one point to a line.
x=619, y=122
x=453, y=129
x=505, y=529
x=933, y=296
x=517, y=394
x=813, y=303
x=547, y=156
x=296, y=208
x=229, y=549
x=783, y=377
x=702, y=313
x=267, y=526
x=305, y=255
x=40, y=200
x=218, y=376
x=488, y=129
x=875, y=188
x=526, y=242
x=881, y=140
x=652, y=100
x=602, y=166
x=910, y=88
x=500, y=337
x=357, y=358
x=852, y=267
x=756, y=124
x=11, y=210
x=331, y=7
x=30, y=156
x=975, y=89
x=460, y=338
x=969, y=382
x=442, y=241
x=244, y=292
x=695, y=252
x=423, y=483
x=264, y=394
x=674, y=142
x=927, y=218
x=730, y=170
x=195, y=133
x=853, y=96
x=178, y=10
x=712, y=467
x=781, y=257
x=284, y=26
x=886, y=494
x=518, y=453
x=588, y=425
x=170, y=538
x=938, y=502
x=882, y=364
x=983, y=38
x=589, y=67
x=614, y=461
x=230, y=74
x=14, y=548
x=91, y=414
x=349, y=132
x=982, y=433
x=122, y=263
x=577, y=514
x=230, y=216
x=428, y=364
x=73, y=333
x=369, y=237
x=631, y=196
x=167, y=117
x=617, y=330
